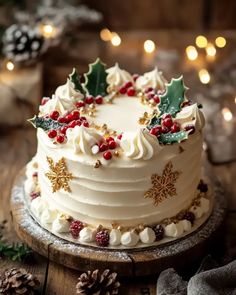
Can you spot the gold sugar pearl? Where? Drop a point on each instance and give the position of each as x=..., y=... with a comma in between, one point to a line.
x=104, y=126
x=145, y=115
x=92, y=106
x=91, y=114
x=82, y=110
x=116, y=153
x=97, y=164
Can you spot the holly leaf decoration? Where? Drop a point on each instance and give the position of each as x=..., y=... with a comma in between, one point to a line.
x=153, y=122
x=74, y=78
x=166, y=138
x=45, y=123
x=95, y=79
x=171, y=100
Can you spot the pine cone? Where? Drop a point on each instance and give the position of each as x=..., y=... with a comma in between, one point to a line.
x=95, y=283
x=18, y=281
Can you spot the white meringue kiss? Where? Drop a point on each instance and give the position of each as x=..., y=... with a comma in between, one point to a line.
x=117, y=77
x=152, y=79
x=129, y=239
x=147, y=236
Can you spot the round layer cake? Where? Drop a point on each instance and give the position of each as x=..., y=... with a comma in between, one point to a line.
x=118, y=161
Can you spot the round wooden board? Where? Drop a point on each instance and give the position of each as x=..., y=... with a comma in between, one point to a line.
x=130, y=262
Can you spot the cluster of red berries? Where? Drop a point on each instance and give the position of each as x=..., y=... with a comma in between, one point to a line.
x=102, y=238
x=89, y=100
x=128, y=88
x=150, y=93
x=75, y=228
x=168, y=125
x=71, y=120
x=106, y=145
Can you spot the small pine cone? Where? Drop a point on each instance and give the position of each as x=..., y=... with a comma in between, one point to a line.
x=96, y=283
x=18, y=281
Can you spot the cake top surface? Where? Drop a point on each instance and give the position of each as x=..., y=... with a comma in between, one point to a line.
x=115, y=113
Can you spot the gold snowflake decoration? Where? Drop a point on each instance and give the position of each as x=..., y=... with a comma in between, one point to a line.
x=163, y=186
x=59, y=175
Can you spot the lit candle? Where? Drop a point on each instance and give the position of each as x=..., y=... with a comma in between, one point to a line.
x=149, y=46
x=220, y=42
x=204, y=76
x=201, y=41
x=115, y=39
x=210, y=50
x=10, y=66
x=105, y=34
x=191, y=52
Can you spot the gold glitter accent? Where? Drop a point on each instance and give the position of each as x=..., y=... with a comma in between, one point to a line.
x=82, y=110
x=91, y=114
x=163, y=186
x=104, y=126
x=97, y=164
x=59, y=175
x=116, y=153
x=92, y=106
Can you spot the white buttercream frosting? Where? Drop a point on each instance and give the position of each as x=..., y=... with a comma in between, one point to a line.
x=129, y=239
x=117, y=77
x=152, y=79
x=203, y=207
x=87, y=235
x=174, y=230
x=186, y=225
x=37, y=206
x=60, y=224
x=29, y=185
x=147, y=236
x=115, y=237
x=48, y=216
x=191, y=115
x=82, y=139
x=56, y=103
x=67, y=91
x=140, y=145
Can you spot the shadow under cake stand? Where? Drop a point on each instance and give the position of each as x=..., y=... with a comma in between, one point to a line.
x=126, y=262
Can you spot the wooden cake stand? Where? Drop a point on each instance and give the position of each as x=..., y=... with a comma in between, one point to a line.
x=130, y=262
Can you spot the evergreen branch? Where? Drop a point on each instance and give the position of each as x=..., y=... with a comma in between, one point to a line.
x=15, y=251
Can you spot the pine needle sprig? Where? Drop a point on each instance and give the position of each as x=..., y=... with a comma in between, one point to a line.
x=15, y=251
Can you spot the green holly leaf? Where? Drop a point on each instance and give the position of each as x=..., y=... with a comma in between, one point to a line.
x=45, y=123
x=153, y=122
x=166, y=138
x=95, y=79
x=74, y=78
x=172, y=99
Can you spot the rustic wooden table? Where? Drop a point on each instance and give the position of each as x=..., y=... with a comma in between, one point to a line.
x=18, y=145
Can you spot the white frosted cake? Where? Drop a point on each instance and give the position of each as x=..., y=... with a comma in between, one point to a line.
x=118, y=162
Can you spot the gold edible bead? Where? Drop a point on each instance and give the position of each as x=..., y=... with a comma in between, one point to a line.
x=116, y=153
x=104, y=126
x=97, y=164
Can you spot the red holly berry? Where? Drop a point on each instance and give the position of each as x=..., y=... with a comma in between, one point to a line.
x=150, y=95
x=119, y=136
x=60, y=138
x=86, y=124
x=112, y=145
x=165, y=116
x=107, y=155
x=128, y=84
x=75, y=115
x=54, y=115
x=75, y=227
x=103, y=147
x=89, y=99
x=175, y=128
x=52, y=133
x=72, y=124
x=135, y=77
x=99, y=99
x=190, y=128
x=102, y=238
x=148, y=89
x=110, y=138
x=156, y=130
x=156, y=99
x=34, y=195
x=164, y=129
x=61, y=120
x=167, y=122
x=80, y=104
x=83, y=119
x=63, y=129
x=44, y=100
x=122, y=90
x=35, y=174
x=69, y=118
x=131, y=91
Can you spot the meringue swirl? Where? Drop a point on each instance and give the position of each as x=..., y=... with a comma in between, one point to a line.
x=152, y=79
x=117, y=77
x=82, y=139
x=140, y=145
